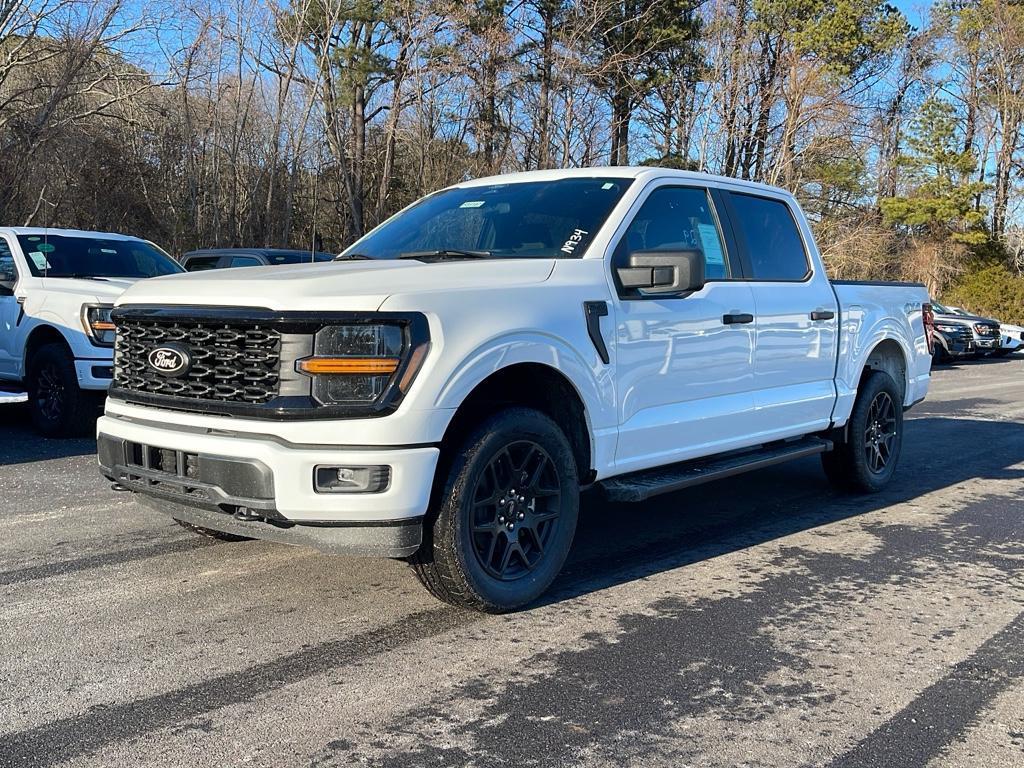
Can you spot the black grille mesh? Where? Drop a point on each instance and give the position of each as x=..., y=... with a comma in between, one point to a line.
x=231, y=361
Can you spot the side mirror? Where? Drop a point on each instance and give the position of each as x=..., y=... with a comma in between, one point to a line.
x=664, y=272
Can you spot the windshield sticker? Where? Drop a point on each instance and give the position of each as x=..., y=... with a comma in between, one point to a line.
x=39, y=260
x=573, y=241
x=47, y=248
x=711, y=246
x=472, y=204
x=607, y=185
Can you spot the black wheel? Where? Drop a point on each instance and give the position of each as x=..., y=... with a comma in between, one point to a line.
x=210, y=533
x=505, y=514
x=939, y=355
x=865, y=459
x=59, y=408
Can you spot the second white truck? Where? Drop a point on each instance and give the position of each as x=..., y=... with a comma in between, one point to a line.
x=444, y=391
x=57, y=287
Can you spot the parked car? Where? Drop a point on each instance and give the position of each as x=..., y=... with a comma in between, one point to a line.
x=224, y=258
x=951, y=340
x=1011, y=337
x=444, y=392
x=984, y=329
x=57, y=287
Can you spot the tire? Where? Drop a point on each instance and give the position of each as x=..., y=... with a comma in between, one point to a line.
x=504, y=514
x=58, y=406
x=940, y=356
x=866, y=458
x=209, y=533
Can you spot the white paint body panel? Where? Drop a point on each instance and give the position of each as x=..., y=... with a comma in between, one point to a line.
x=679, y=384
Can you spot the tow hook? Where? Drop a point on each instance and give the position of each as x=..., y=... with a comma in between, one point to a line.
x=118, y=487
x=244, y=513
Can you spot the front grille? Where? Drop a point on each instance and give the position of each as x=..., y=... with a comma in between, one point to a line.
x=230, y=361
x=987, y=330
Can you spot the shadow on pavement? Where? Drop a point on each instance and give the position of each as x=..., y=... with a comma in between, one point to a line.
x=20, y=443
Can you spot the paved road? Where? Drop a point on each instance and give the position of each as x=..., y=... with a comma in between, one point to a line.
x=762, y=621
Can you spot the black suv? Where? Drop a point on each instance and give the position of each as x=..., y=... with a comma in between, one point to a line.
x=222, y=258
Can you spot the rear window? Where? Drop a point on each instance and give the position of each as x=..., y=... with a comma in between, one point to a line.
x=201, y=263
x=773, y=240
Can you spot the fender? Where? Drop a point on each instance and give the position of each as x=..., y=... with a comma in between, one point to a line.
x=592, y=381
x=856, y=348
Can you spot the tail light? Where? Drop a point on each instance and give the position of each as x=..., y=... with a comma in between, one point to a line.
x=928, y=315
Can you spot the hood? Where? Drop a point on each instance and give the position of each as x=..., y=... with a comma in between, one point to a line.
x=339, y=285
x=103, y=291
x=965, y=319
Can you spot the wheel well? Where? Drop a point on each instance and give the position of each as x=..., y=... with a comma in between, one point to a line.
x=41, y=336
x=888, y=356
x=533, y=385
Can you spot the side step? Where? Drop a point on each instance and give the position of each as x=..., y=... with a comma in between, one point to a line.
x=638, y=486
x=12, y=397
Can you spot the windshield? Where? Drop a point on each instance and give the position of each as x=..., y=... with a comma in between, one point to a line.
x=941, y=310
x=539, y=219
x=77, y=256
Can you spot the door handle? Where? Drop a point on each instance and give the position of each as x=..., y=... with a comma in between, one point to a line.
x=822, y=314
x=737, y=319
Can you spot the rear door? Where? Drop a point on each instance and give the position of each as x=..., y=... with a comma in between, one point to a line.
x=684, y=364
x=797, y=316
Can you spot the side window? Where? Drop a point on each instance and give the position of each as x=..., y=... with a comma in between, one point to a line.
x=245, y=261
x=773, y=240
x=8, y=272
x=677, y=219
x=200, y=263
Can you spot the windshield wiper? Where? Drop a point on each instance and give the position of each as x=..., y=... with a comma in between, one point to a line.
x=445, y=253
x=80, y=276
x=353, y=257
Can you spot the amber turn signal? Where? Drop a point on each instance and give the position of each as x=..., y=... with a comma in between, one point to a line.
x=364, y=365
x=102, y=325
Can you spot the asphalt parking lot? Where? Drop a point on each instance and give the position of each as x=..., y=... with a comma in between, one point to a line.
x=763, y=621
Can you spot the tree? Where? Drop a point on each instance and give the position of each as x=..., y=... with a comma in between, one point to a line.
x=938, y=208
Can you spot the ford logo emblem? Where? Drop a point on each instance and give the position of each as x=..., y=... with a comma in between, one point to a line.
x=170, y=361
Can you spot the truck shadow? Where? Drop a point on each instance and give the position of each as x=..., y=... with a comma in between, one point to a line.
x=618, y=543
x=20, y=443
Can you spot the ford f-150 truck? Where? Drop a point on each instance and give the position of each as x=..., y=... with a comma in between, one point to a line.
x=444, y=390
x=57, y=287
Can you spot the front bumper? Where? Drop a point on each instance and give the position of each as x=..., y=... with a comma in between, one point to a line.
x=94, y=374
x=265, y=484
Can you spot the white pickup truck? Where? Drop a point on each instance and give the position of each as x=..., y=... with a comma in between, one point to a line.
x=444, y=390
x=57, y=287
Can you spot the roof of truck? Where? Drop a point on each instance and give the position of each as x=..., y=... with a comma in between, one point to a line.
x=51, y=232
x=618, y=171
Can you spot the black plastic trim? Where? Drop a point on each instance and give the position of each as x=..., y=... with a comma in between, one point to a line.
x=417, y=333
x=595, y=310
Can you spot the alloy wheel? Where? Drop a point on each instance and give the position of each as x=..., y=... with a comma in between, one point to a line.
x=515, y=514
x=881, y=432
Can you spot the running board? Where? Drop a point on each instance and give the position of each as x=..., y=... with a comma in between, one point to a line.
x=639, y=486
x=12, y=397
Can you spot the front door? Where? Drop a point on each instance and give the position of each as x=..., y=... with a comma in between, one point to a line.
x=9, y=312
x=684, y=364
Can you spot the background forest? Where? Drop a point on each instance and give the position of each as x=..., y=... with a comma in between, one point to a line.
x=305, y=122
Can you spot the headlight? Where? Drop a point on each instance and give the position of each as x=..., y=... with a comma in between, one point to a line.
x=97, y=323
x=359, y=364
x=947, y=328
